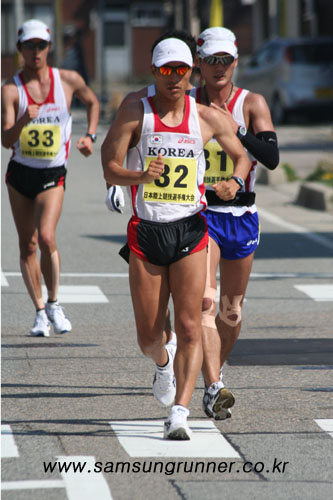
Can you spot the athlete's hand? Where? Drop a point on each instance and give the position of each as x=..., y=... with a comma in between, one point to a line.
x=85, y=146
x=226, y=190
x=115, y=200
x=155, y=170
x=226, y=113
x=31, y=113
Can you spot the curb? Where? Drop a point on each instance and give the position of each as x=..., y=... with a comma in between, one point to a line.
x=315, y=196
x=270, y=177
x=311, y=195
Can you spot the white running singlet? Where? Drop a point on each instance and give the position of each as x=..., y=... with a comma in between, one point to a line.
x=180, y=191
x=219, y=164
x=45, y=141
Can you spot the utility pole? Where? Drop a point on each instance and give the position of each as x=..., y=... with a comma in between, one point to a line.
x=58, y=34
x=178, y=15
x=19, y=20
x=18, y=14
x=100, y=58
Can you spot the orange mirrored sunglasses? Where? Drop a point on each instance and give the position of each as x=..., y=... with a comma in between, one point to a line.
x=168, y=70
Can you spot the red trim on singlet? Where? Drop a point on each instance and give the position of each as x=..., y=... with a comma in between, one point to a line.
x=254, y=163
x=134, y=190
x=132, y=238
x=230, y=108
x=50, y=97
x=67, y=147
x=233, y=100
x=248, y=178
x=202, y=189
x=159, y=126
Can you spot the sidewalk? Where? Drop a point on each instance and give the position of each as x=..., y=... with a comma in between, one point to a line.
x=303, y=146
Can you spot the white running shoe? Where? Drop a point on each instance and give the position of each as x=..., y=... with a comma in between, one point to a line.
x=175, y=427
x=164, y=383
x=41, y=326
x=217, y=400
x=56, y=315
x=173, y=340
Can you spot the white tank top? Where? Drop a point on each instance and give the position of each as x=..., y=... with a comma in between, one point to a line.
x=219, y=165
x=180, y=191
x=45, y=141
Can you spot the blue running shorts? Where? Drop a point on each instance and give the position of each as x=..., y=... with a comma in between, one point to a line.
x=237, y=237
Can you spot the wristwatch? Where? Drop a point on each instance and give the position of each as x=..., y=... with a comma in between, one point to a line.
x=239, y=181
x=93, y=137
x=241, y=132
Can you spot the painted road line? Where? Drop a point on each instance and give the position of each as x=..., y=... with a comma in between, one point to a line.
x=326, y=425
x=290, y=275
x=142, y=438
x=295, y=228
x=17, y=274
x=87, y=484
x=4, y=281
x=79, y=294
x=32, y=485
x=8, y=446
x=319, y=293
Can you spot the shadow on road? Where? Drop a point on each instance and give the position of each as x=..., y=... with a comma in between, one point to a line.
x=292, y=246
x=269, y=352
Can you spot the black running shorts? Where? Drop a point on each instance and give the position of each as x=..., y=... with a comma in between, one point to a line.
x=164, y=243
x=30, y=181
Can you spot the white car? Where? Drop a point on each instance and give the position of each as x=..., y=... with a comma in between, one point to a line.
x=292, y=75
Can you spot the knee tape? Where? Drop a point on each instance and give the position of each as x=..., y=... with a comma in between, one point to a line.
x=231, y=309
x=208, y=319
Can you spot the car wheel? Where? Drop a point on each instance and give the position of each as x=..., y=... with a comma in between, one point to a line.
x=278, y=111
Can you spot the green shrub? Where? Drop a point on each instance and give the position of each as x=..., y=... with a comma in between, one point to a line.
x=323, y=173
x=290, y=172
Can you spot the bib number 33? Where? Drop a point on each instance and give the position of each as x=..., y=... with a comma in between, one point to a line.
x=177, y=184
x=40, y=141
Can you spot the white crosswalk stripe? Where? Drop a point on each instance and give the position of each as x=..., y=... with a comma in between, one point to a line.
x=142, y=438
x=326, y=425
x=8, y=446
x=319, y=293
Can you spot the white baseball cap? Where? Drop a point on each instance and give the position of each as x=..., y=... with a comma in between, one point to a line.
x=214, y=40
x=171, y=50
x=33, y=29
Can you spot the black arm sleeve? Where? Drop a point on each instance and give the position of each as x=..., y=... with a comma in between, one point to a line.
x=264, y=147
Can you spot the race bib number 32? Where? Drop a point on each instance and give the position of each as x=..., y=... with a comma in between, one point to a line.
x=177, y=184
x=40, y=141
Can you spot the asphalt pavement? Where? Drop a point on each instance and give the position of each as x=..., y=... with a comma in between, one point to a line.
x=85, y=397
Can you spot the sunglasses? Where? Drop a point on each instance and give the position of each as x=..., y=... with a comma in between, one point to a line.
x=225, y=60
x=32, y=45
x=168, y=70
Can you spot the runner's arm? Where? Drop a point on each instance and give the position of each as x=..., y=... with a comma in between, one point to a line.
x=80, y=90
x=262, y=143
x=123, y=133
x=10, y=128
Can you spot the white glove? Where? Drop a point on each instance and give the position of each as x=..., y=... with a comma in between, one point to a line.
x=115, y=200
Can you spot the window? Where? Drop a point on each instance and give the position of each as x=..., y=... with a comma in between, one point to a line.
x=148, y=14
x=315, y=53
x=114, y=34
